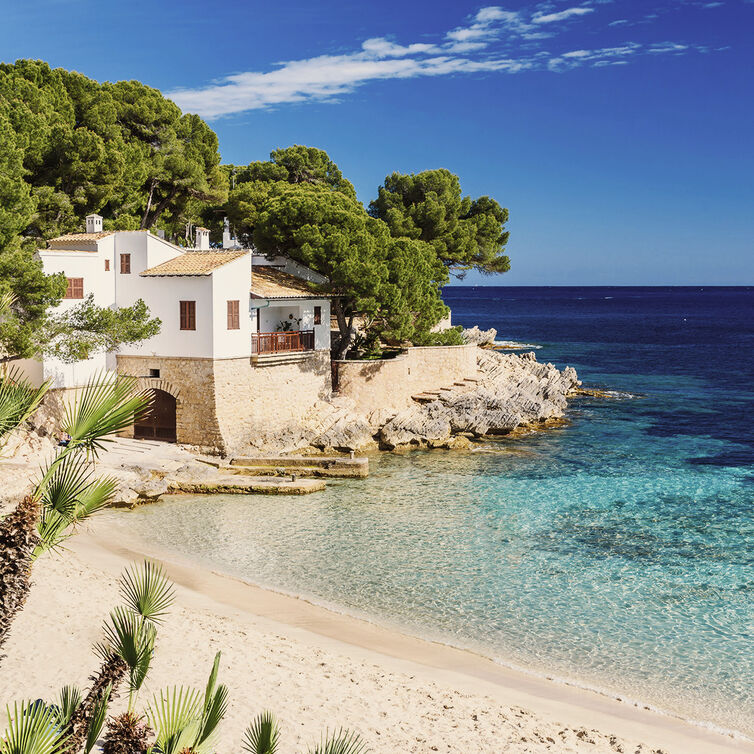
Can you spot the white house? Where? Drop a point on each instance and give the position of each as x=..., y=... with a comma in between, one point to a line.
x=244, y=342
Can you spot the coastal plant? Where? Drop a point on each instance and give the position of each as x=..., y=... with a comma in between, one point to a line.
x=341, y=742
x=184, y=720
x=19, y=399
x=126, y=734
x=32, y=729
x=262, y=735
x=67, y=492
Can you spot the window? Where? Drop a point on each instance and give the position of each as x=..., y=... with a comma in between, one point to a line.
x=154, y=372
x=317, y=315
x=125, y=264
x=75, y=288
x=107, y=265
x=188, y=315
x=234, y=318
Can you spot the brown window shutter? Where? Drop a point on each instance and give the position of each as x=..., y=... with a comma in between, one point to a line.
x=188, y=315
x=107, y=265
x=234, y=318
x=125, y=264
x=75, y=288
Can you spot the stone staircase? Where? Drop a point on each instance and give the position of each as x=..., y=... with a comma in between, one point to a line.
x=467, y=384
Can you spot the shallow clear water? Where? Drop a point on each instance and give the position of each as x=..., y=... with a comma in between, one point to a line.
x=615, y=552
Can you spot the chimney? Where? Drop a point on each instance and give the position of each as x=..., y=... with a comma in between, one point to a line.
x=94, y=223
x=227, y=239
x=202, y=239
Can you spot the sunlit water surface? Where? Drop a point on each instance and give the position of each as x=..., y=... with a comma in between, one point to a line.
x=615, y=553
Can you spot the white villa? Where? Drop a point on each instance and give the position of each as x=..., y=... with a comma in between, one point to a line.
x=244, y=343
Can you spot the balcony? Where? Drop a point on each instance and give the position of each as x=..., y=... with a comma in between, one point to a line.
x=270, y=343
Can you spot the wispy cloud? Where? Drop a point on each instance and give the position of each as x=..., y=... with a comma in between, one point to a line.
x=493, y=40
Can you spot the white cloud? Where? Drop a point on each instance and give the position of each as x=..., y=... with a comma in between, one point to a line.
x=493, y=40
x=549, y=18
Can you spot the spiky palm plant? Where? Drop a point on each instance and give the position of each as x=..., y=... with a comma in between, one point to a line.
x=126, y=734
x=263, y=735
x=184, y=720
x=66, y=493
x=146, y=590
x=341, y=742
x=19, y=399
x=32, y=729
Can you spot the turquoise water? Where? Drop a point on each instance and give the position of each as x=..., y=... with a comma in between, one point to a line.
x=615, y=553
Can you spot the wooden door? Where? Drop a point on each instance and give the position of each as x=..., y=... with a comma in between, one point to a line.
x=159, y=422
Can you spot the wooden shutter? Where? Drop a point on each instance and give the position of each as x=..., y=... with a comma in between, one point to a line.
x=107, y=265
x=188, y=315
x=75, y=288
x=125, y=264
x=317, y=315
x=234, y=317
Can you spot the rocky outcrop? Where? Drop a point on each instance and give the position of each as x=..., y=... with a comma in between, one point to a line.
x=479, y=337
x=513, y=392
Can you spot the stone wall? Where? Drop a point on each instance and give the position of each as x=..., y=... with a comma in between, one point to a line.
x=222, y=403
x=389, y=384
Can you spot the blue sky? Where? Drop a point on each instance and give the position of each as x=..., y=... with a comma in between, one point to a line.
x=619, y=134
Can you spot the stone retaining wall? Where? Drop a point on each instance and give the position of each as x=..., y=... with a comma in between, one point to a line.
x=390, y=383
x=222, y=403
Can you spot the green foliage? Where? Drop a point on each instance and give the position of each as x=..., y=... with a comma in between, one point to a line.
x=72, y=146
x=342, y=742
x=69, y=700
x=32, y=729
x=97, y=720
x=107, y=405
x=450, y=337
x=147, y=591
x=184, y=720
x=465, y=233
x=19, y=399
x=263, y=735
x=86, y=328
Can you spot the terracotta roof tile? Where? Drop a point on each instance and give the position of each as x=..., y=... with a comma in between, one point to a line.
x=76, y=237
x=269, y=282
x=194, y=263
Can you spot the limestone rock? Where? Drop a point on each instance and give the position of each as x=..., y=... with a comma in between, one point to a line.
x=152, y=489
x=479, y=337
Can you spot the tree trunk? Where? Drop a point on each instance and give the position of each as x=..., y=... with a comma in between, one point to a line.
x=126, y=734
x=345, y=327
x=112, y=671
x=18, y=538
x=143, y=225
x=158, y=210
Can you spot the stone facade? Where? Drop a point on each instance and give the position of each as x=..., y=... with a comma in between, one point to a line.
x=387, y=385
x=222, y=403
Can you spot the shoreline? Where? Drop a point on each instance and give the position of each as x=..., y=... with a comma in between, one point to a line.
x=104, y=546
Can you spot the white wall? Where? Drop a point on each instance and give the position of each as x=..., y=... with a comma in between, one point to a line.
x=271, y=316
x=231, y=282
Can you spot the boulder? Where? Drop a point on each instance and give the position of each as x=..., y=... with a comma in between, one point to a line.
x=479, y=337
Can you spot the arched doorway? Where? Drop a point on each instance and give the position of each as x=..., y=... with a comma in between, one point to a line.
x=159, y=422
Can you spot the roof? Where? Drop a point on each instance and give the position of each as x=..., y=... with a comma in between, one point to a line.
x=194, y=263
x=269, y=282
x=75, y=237
x=69, y=249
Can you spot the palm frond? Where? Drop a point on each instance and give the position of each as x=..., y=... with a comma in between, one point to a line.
x=7, y=299
x=342, y=742
x=68, y=702
x=147, y=591
x=69, y=495
x=176, y=718
x=130, y=637
x=106, y=405
x=19, y=399
x=213, y=710
x=263, y=735
x=97, y=720
x=32, y=729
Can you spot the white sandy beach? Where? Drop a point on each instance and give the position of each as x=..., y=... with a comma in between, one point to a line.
x=317, y=669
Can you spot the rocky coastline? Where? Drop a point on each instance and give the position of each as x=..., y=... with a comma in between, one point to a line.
x=511, y=394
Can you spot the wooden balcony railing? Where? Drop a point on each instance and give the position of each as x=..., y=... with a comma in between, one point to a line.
x=282, y=342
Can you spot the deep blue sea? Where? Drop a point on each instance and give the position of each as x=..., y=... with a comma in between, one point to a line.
x=616, y=552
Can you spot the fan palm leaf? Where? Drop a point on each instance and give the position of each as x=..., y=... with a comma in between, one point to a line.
x=69, y=700
x=97, y=719
x=342, y=742
x=147, y=591
x=19, y=399
x=32, y=729
x=131, y=638
x=213, y=710
x=175, y=717
x=263, y=735
x=106, y=405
